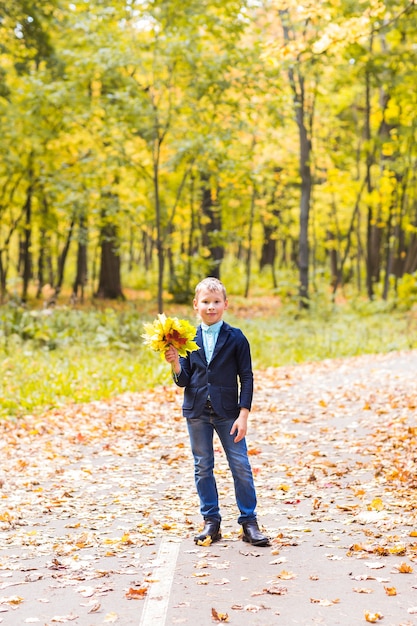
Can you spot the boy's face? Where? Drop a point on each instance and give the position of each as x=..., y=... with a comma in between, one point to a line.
x=210, y=306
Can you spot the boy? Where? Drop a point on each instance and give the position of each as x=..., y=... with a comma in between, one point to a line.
x=213, y=401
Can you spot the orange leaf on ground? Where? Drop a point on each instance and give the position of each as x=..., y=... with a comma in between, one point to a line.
x=390, y=591
x=219, y=617
x=136, y=594
x=404, y=568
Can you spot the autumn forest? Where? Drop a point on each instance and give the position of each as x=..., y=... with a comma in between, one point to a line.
x=145, y=144
x=152, y=142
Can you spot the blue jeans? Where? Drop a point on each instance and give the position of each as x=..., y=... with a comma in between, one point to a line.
x=201, y=431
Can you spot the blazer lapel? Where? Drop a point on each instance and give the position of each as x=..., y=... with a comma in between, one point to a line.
x=199, y=341
x=221, y=339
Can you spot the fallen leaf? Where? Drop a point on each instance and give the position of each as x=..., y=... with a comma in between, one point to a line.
x=404, y=568
x=376, y=505
x=206, y=542
x=324, y=602
x=373, y=617
x=12, y=600
x=219, y=617
x=284, y=575
x=254, y=608
x=136, y=594
x=276, y=590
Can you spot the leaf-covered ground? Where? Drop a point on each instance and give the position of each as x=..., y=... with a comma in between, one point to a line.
x=89, y=492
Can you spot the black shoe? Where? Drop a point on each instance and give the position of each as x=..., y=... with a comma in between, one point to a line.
x=211, y=530
x=252, y=534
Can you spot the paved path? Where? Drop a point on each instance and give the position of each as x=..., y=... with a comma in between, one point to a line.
x=98, y=508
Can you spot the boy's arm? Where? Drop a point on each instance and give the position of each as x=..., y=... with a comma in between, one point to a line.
x=240, y=426
x=179, y=365
x=172, y=357
x=245, y=373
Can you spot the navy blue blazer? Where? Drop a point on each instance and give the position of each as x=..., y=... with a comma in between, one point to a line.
x=227, y=379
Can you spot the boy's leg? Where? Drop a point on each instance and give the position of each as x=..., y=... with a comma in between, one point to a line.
x=201, y=432
x=237, y=456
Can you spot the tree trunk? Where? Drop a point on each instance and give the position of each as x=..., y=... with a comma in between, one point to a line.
x=371, y=250
x=410, y=265
x=211, y=229
x=82, y=271
x=5, y=254
x=110, y=283
x=269, y=247
x=159, y=231
x=249, y=257
x=190, y=249
x=3, y=279
x=297, y=83
x=306, y=185
x=333, y=257
x=389, y=254
x=63, y=258
x=26, y=255
x=109, y=286
x=41, y=262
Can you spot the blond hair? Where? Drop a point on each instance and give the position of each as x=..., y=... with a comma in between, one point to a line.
x=211, y=284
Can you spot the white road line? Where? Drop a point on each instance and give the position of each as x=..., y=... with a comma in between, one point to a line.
x=156, y=602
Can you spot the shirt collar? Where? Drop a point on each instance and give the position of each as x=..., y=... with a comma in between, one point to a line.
x=214, y=328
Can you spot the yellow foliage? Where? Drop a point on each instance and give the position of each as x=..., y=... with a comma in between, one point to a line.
x=170, y=331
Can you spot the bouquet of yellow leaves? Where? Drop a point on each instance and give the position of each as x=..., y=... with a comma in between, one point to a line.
x=165, y=331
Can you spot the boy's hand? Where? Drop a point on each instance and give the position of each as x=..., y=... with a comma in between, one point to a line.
x=171, y=356
x=240, y=426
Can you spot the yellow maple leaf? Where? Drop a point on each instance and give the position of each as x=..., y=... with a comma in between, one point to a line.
x=400, y=550
x=373, y=617
x=404, y=568
x=390, y=591
x=206, y=542
x=376, y=504
x=284, y=488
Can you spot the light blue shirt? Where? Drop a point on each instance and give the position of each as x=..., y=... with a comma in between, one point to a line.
x=210, y=335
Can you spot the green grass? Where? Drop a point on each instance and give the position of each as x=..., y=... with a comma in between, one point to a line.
x=33, y=381
x=292, y=338
x=51, y=359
